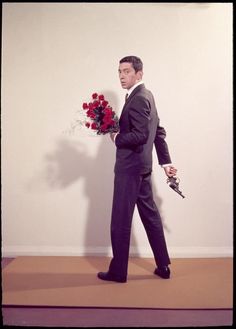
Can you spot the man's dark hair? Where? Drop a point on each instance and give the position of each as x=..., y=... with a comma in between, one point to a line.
x=135, y=61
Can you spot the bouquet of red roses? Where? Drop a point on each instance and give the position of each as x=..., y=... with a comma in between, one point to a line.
x=100, y=115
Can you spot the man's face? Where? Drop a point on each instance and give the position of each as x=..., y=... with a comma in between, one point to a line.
x=128, y=76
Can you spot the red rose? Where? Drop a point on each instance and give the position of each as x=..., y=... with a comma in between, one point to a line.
x=91, y=114
x=87, y=124
x=101, y=97
x=107, y=120
x=104, y=103
x=94, y=126
x=95, y=104
x=85, y=106
x=108, y=111
x=104, y=127
x=90, y=106
x=94, y=96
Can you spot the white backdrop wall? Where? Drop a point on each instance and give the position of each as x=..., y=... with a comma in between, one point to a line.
x=57, y=187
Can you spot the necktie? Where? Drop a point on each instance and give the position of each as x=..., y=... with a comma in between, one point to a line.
x=126, y=97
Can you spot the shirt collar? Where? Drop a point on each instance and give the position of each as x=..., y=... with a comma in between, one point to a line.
x=134, y=86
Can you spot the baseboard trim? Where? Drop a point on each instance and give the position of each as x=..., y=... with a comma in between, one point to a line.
x=175, y=252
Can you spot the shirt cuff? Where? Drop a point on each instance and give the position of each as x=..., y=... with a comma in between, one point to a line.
x=166, y=165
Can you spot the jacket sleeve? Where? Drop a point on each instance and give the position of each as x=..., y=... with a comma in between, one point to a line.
x=161, y=146
x=138, y=132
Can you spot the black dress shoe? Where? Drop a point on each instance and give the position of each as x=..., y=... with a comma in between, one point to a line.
x=110, y=277
x=163, y=272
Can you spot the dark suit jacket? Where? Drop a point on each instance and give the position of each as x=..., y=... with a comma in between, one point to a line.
x=139, y=131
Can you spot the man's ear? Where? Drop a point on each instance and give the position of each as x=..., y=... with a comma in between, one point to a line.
x=139, y=75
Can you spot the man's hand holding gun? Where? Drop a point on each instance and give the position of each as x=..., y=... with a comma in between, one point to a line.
x=172, y=180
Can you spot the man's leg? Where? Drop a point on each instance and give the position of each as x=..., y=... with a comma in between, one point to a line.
x=151, y=220
x=126, y=190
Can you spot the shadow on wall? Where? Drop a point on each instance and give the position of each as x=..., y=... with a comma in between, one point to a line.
x=71, y=162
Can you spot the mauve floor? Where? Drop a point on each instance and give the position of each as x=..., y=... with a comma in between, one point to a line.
x=110, y=317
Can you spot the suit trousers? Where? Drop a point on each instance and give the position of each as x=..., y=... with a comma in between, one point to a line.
x=131, y=190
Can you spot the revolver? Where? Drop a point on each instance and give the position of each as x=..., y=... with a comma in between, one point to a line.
x=174, y=184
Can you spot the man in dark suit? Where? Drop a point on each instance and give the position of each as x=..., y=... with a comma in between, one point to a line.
x=139, y=131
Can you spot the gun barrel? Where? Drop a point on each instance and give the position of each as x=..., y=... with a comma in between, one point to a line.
x=177, y=191
x=174, y=184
